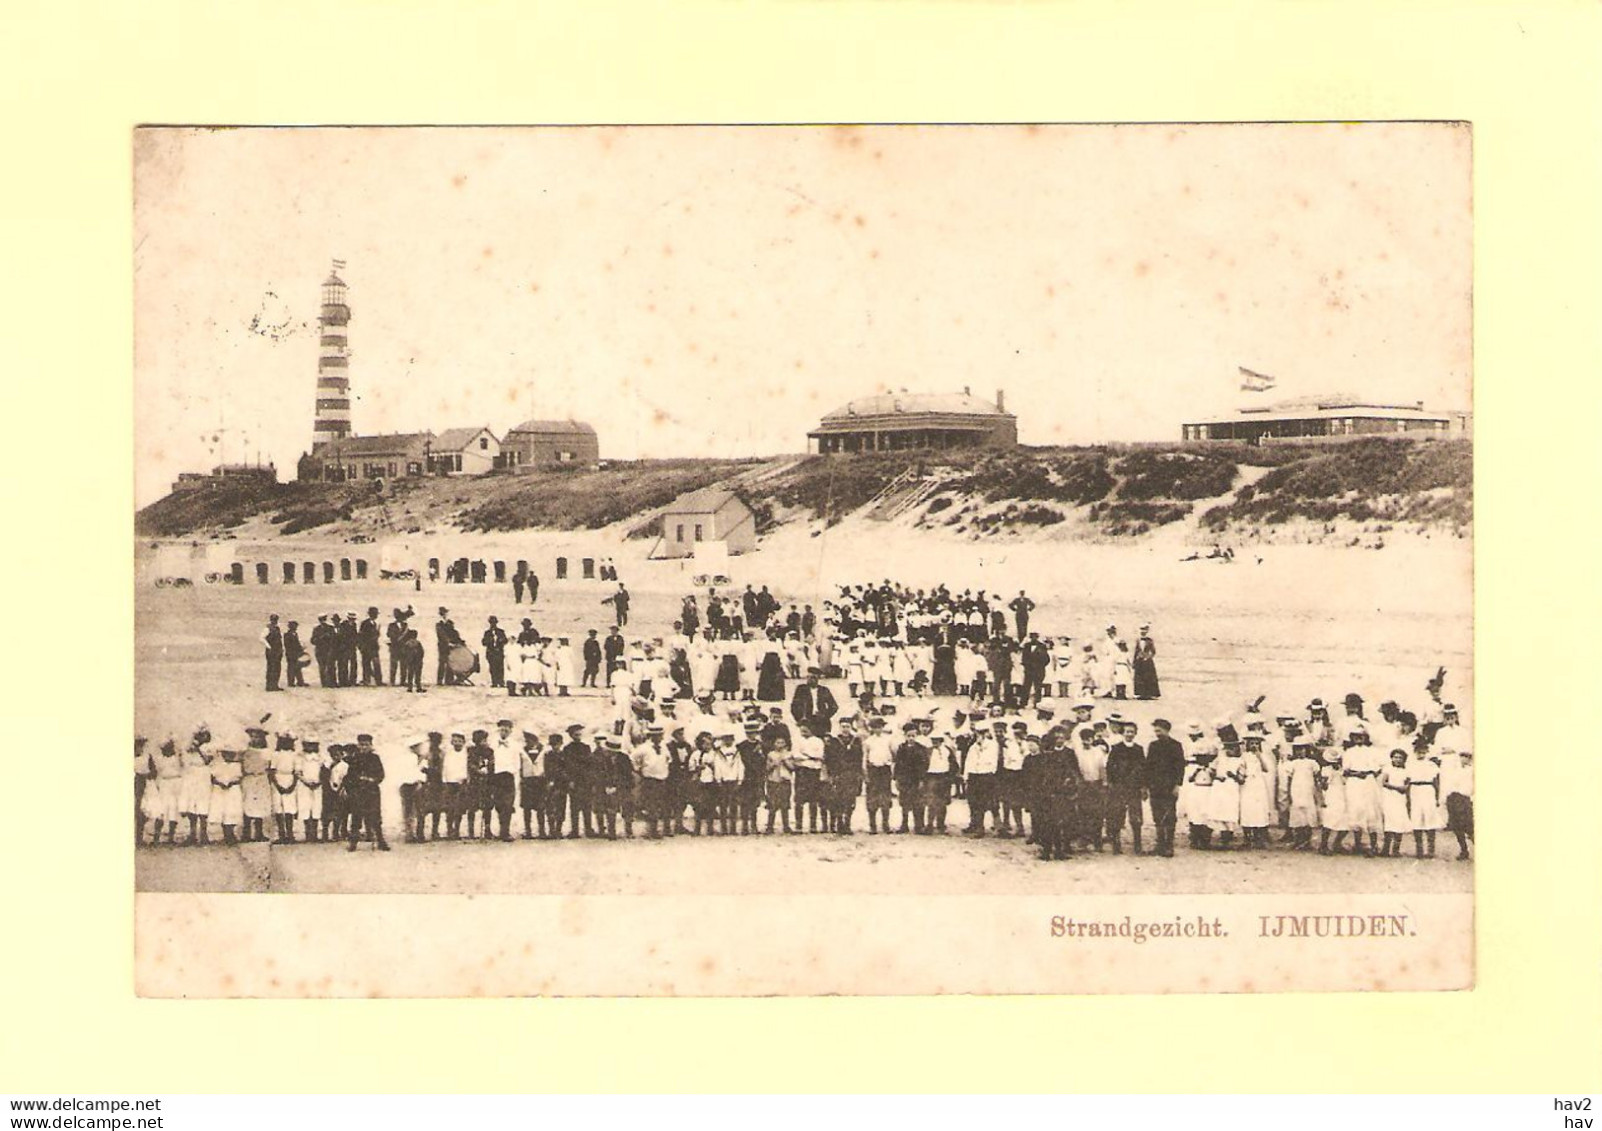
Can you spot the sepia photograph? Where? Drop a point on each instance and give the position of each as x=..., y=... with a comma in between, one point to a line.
x=728, y=559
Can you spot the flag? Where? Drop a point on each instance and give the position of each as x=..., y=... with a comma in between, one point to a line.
x=1253, y=382
x=339, y=265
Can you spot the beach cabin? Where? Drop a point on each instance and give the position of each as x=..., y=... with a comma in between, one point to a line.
x=709, y=515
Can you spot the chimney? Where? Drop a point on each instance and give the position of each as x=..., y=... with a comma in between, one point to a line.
x=967, y=392
x=1001, y=400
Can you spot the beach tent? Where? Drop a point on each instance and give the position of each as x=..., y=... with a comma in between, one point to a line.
x=174, y=561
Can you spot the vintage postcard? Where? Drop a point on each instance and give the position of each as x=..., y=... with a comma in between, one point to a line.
x=803, y=560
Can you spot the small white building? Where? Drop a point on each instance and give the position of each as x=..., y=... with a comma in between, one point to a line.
x=464, y=451
x=712, y=514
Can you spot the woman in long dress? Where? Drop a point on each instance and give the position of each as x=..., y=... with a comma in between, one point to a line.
x=1145, y=664
x=770, y=673
x=750, y=654
x=561, y=656
x=728, y=677
x=943, y=679
x=703, y=665
x=1363, y=768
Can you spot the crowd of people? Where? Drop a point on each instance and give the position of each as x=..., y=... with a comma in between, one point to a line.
x=880, y=639
x=725, y=726
x=937, y=642
x=669, y=766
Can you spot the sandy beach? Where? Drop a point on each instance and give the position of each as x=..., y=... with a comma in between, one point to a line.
x=1288, y=622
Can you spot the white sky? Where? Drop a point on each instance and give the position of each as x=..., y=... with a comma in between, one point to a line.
x=713, y=291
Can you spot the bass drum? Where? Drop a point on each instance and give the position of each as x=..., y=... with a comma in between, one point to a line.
x=463, y=661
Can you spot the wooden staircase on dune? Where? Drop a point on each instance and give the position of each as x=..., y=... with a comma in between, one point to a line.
x=901, y=494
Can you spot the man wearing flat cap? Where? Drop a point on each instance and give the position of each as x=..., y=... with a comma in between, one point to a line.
x=556, y=783
x=1165, y=772
x=910, y=765
x=477, y=798
x=361, y=788
x=842, y=759
x=578, y=774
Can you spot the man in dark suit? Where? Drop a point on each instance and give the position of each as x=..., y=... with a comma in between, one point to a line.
x=349, y=640
x=813, y=704
x=322, y=643
x=495, y=652
x=394, y=633
x=272, y=642
x=998, y=656
x=367, y=640
x=614, y=653
x=577, y=778
x=620, y=604
x=1165, y=770
x=1021, y=607
x=362, y=794
x=1036, y=657
x=592, y=660
x=445, y=638
x=910, y=765
x=1126, y=785
x=1056, y=794
x=294, y=656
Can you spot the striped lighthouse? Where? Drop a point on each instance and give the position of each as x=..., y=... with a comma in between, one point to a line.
x=332, y=419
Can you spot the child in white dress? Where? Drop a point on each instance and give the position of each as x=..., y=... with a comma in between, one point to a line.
x=1393, y=803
